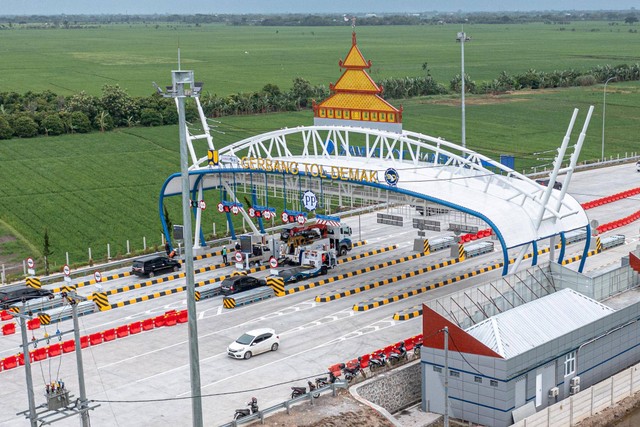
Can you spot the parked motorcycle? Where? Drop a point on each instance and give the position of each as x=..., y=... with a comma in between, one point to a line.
x=416, y=349
x=378, y=361
x=253, y=408
x=323, y=381
x=351, y=373
x=398, y=355
x=299, y=391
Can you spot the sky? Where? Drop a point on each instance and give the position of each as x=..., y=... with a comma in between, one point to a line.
x=69, y=7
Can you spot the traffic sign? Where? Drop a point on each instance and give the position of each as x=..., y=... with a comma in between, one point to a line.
x=252, y=212
x=267, y=214
x=235, y=209
x=301, y=219
x=98, y=276
x=285, y=217
x=30, y=262
x=202, y=205
x=238, y=256
x=66, y=270
x=220, y=207
x=273, y=262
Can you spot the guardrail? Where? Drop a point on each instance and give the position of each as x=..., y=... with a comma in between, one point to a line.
x=612, y=241
x=438, y=243
x=288, y=403
x=247, y=297
x=479, y=248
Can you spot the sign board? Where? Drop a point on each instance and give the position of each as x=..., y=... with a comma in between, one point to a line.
x=178, y=232
x=267, y=214
x=273, y=262
x=285, y=217
x=220, y=207
x=238, y=256
x=301, y=219
x=67, y=273
x=309, y=200
x=235, y=209
x=31, y=266
x=252, y=212
x=202, y=205
x=98, y=276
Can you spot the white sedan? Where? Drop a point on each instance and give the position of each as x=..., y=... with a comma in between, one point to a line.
x=254, y=342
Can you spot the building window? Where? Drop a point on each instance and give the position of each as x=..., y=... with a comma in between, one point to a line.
x=570, y=364
x=365, y=115
x=454, y=374
x=477, y=379
x=437, y=369
x=383, y=117
x=346, y=114
x=338, y=114
x=374, y=117
x=330, y=113
x=493, y=383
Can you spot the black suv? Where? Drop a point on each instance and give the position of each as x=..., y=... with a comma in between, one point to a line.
x=557, y=185
x=149, y=265
x=232, y=285
x=20, y=293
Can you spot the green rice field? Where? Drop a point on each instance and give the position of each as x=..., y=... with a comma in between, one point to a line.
x=102, y=188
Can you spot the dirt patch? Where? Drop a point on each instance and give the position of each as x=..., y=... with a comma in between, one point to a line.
x=4, y=239
x=613, y=415
x=328, y=411
x=478, y=100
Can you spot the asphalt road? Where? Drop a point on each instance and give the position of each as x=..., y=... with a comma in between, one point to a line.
x=144, y=379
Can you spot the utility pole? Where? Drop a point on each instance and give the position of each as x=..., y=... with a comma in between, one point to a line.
x=33, y=417
x=83, y=407
x=446, y=376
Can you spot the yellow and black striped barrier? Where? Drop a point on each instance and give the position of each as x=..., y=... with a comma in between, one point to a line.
x=379, y=283
x=412, y=313
x=277, y=284
x=427, y=248
x=417, y=291
x=355, y=272
x=34, y=282
x=101, y=300
x=598, y=244
x=14, y=309
x=44, y=318
x=229, y=302
x=238, y=273
x=196, y=296
x=461, y=252
x=67, y=288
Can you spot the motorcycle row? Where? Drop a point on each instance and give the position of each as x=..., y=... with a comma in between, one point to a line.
x=377, y=361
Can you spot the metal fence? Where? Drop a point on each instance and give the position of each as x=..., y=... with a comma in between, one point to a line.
x=287, y=404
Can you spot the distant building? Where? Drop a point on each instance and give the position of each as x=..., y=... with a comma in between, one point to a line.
x=355, y=99
x=517, y=362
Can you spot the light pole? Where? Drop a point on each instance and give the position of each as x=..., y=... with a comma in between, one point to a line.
x=183, y=86
x=462, y=37
x=604, y=106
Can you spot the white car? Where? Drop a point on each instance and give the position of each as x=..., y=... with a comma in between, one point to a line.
x=254, y=342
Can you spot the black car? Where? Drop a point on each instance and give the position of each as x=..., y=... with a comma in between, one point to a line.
x=21, y=293
x=557, y=185
x=150, y=265
x=235, y=284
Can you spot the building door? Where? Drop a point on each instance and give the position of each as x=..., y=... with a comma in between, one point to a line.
x=521, y=392
x=545, y=380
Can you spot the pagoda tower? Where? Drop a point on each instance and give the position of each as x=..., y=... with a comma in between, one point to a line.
x=355, y=98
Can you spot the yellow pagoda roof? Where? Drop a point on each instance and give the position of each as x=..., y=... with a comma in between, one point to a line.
x=354, y=58
x=358, y=101
x=356, y=81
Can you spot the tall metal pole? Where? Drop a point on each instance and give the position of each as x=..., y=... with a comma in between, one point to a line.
x=84, y=411
x=33, y=419
x=604, y=106
x=464, y=136
x=446, y=376
x=179, y=78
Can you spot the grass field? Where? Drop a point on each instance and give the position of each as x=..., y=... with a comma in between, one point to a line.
x=243, y=59
x=90, y=190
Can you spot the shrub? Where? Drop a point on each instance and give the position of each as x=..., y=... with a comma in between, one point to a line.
x=25, y=127
x=6, y=131
x=150, y=117
x=52, y=125
x=80, y=122
x=586, y=80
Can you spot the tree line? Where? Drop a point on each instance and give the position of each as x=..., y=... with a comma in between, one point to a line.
x=35, y=114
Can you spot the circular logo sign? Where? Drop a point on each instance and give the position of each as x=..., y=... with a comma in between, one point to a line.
x=391, y=176
x=220, y=207
x=235, y=209
x=238, y=256
x=266, y=214
x=273, y=262
x=301, y=219
x=98, y=276
x=30, y=262
x=285, y=217
x=252, y=212
x=66, y=270
x=309, y=200
x=202, y=205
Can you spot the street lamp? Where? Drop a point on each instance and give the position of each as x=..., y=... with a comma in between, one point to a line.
x=604, y=106
x=183, y=86
x=462, y=37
